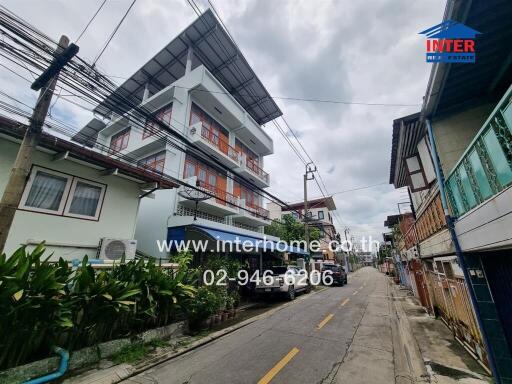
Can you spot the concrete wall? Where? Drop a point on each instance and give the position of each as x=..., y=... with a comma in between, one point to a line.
x=454, y=133
x=488, y=225
x=69, y=237
x=439, y=243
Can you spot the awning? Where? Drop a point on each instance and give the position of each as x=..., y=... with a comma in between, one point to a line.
x=180, y=234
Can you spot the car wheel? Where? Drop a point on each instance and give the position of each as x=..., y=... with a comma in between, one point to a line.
x=308, y=288
x=291, y=292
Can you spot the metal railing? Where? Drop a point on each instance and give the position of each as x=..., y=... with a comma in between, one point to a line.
x=485, y=168
x=256, y=169
x=221, y=196
x=257, y=211
x=219, y=142
x=451, y=299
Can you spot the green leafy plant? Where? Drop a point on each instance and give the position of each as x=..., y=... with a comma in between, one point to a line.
x=46, y=303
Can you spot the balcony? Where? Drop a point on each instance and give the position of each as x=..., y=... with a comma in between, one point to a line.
x=251, y=170
x=252, y=215
x=215, y=145
x=431, y=220
x=479, y=187
x=222, y=203
x=485, y=168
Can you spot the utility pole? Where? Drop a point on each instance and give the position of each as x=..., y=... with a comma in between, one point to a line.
x=347, y=264
x=309, y=175
x=21, y=168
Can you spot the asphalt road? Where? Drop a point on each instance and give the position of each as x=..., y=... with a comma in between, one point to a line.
x=341, y=334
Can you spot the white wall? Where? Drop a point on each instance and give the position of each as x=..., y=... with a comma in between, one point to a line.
x=117, y=218
x=488, y=225
x=454, y=133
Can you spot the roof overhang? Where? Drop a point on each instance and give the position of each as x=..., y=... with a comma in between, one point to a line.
x=15, y=131
x=458, y=86
x=212, y=47
x=327, y=202
x=407, y=132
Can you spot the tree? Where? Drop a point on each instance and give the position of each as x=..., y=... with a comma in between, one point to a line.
x=289, y=229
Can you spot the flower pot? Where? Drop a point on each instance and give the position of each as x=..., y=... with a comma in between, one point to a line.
x=224, y=315
x=216, y=318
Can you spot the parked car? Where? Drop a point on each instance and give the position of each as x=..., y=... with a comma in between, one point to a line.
x=283, y=280
x=339, y=276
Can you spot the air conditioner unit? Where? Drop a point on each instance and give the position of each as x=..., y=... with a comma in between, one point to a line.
x=115, y=249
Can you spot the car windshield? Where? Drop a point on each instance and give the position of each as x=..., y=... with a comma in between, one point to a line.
x=333, y=268
x=279, y=270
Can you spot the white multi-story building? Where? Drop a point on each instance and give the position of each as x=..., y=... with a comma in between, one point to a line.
x=203, y=88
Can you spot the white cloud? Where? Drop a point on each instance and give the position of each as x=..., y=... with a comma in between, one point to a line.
x=350, y=50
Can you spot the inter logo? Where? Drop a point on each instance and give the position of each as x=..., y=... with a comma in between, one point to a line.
x=450, y=42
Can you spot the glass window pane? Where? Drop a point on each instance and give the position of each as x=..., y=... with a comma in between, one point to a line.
x=468, y=192
x=85, y=199
x=481, y=177
x=503, y=171
x=457, y=200
x=202, y=175
x=46, y=191
x=507, y=114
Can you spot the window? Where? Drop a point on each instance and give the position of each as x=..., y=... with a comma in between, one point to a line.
x=480, y=176
x=251, y=155
x=155, y=162
x=48, y=191
x=498, y=158
x=45, y=191
x=85, y=199
x=164, y=115
x=466, y=185
x=321, y=215
x=119, y=141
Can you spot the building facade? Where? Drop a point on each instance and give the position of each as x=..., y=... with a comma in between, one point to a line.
x=320, y=217
x=71, y=201
x=467, y=109
x=200, y=87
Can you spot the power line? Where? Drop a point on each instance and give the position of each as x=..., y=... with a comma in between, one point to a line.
x=91, y=20
x=113, y=33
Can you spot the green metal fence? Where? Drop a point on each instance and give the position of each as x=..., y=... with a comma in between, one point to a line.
x=485, y=168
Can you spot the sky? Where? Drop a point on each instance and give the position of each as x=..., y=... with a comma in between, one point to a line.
x=356, y=51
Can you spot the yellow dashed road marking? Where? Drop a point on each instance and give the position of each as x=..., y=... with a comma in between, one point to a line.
x=345, y=301
x=280, y=365
x=325, y=321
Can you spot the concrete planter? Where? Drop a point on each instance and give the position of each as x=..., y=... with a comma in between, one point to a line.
x=87, y=356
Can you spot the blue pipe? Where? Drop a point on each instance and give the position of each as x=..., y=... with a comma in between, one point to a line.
x=458, y=252
x=63, y=367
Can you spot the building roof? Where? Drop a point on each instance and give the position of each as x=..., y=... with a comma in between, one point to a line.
x=213, y=48
x=407, y=132
x=16, y=131
x=314, y=203
x=455, y=85
x=393, y=220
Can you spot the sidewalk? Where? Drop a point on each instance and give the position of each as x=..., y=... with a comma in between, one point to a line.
x=369, y=358
x=446, y=361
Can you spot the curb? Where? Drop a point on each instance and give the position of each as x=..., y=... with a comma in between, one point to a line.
x=408, y=361
x=117, y=375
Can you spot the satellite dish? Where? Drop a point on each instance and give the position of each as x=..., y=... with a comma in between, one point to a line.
x=195, y=195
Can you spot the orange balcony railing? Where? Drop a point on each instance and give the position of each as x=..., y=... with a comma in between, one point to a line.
x=221, y=196
x=213, y=138
x=256, y=169
x=256, y=210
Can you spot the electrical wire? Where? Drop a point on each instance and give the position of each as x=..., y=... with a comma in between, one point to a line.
x=113, y=34
x=90, y=21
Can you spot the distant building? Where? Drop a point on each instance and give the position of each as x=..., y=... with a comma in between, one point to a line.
x=320, y=217
x=202, y=91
